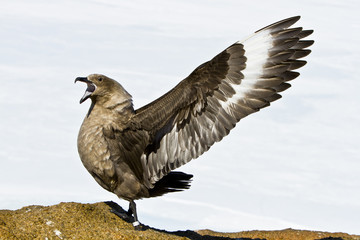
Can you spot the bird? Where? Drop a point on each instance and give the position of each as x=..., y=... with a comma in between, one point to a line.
x=133, y=152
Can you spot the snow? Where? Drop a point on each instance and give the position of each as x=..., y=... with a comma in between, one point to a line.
x=295, y=164
x=49, y=223
x=58, y=233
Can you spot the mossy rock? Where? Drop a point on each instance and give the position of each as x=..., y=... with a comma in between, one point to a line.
x=95, y=221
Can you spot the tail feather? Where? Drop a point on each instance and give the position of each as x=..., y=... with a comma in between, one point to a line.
x=172, y=182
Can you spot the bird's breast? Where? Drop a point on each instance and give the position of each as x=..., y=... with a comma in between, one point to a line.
x=93, y=148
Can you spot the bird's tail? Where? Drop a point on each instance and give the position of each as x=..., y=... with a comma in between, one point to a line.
x=172, y=182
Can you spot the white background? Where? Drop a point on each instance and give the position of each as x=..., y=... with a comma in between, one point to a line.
x=295, y=164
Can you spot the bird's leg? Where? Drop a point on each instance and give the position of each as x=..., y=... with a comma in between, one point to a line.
x=132, y=210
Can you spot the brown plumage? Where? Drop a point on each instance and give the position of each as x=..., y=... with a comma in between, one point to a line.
x=132, y=152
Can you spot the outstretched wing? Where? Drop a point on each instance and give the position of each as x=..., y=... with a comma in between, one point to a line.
x=205, y=106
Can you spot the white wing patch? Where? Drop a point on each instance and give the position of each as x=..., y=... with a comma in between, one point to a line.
x=256, y=51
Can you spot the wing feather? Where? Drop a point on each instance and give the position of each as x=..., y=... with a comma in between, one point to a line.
x=205, y=106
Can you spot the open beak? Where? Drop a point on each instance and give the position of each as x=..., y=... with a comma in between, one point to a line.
x=89, y=90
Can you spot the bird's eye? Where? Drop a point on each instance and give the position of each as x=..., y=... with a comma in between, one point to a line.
x=100, y=79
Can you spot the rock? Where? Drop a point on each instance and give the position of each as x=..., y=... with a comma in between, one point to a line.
x=95, y=221
x=286, y=234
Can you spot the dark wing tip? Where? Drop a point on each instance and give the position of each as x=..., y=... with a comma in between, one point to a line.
x=305, y=33
x=285, y=23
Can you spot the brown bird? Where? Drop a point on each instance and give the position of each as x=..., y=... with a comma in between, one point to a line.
x=132, y=152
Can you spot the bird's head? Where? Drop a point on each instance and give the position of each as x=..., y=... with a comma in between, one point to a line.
x=103, y=90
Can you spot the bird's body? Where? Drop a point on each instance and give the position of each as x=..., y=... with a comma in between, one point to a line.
x=132, y=152
x=101, y=158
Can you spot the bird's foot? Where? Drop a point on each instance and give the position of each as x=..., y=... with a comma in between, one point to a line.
x=127, y=216
x=139, y=227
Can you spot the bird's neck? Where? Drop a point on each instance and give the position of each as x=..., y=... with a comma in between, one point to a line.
x=120, y=107
x=122, y=110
